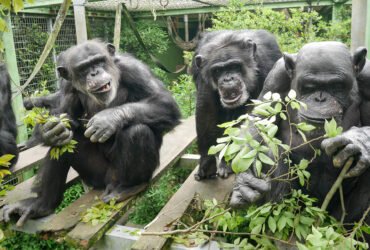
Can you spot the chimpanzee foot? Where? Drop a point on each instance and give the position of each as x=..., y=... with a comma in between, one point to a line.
x=207, y=168
x=26, y=209
x=120, y=193
x=224, y=170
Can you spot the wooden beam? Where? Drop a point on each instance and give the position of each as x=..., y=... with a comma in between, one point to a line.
x=117, y=26
x=358, y=31
x=207, y=189
x=80, y=20
x=11, y=63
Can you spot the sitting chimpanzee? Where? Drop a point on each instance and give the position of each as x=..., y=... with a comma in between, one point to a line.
x=229, y=68
x=323, y=75
x=8, y=126
x=119, y=112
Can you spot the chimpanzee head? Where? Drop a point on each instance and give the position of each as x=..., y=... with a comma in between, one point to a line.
x=324, y=76
x=227, y=63
x=91, y=70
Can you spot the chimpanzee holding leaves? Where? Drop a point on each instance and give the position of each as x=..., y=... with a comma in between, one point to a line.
x=119, y=112
x=324, y=76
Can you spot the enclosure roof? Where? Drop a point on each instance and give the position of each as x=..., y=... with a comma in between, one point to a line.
x=149, y=5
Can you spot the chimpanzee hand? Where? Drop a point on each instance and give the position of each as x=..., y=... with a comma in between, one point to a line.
x=103, y=125
x=355, y=142
x=26, y=209
x=248, y=189
x=55, y=133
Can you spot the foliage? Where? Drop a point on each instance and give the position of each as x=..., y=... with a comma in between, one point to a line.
x=292, y=29
x=9, y=6
x=101, y=212
x=153, y=199
x=42, y=116
x=22, y=241
x=70, y=195
x=183, y=90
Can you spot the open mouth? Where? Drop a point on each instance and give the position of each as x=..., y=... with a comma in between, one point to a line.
x=231, y=101
x=310, y=119
x=104, y=88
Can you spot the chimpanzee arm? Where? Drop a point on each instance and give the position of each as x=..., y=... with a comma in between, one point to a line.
x=49, y=101
x=148, y=103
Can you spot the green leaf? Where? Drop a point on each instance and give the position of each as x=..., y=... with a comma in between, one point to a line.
x=302, y=135
x=232, y=149
x=305, y=127
x=292, y=94
x=300, y=177
x=281, y=223
x=265, y=159
x=3, y=25
x=272, y=224
x=215, y=149
x=250, y=154
x=18, y=5
x=306, y=220
x=223, y=139
x=283, y=116
x=258, y=167
x=272, y=131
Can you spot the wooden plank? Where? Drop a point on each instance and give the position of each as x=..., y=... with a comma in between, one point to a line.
x=208, y=189
x=84, y=234
x=23, y=190
x=117, y=26
x=80, y=20
x=30, y=157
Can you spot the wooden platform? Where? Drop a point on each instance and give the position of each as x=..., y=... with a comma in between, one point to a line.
x=84, y=234
x=218, y=189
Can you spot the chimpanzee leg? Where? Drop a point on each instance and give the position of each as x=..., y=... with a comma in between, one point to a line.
x=49, y=186
x=134, y=156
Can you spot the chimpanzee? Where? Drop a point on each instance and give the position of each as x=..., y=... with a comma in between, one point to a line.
x=8, y=126
x=229, y=68
x=323, y=74
x=119, y=112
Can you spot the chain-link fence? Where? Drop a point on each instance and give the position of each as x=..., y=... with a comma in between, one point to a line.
x=30, y=35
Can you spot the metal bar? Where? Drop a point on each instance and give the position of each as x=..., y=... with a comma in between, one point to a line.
x=54, y=54
x=80, y=20
x=11, y=63
x=117, y=26
x=186, y=22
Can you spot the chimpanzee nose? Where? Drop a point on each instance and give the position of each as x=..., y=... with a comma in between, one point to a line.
x=320, y=97
x=94, y=72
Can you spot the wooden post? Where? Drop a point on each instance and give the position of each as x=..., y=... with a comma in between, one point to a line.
x=358, y=27
x=117, y=26
x=80, y=20
x=10, y=58
x=367, y=28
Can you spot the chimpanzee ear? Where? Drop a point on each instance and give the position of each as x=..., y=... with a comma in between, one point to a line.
x=248, y=44
x=359, y=59
x=198, y=60
x=63, y=72
x=111, y=49
x=289, y=64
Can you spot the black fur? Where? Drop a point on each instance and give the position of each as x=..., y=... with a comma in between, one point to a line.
x=257, y=50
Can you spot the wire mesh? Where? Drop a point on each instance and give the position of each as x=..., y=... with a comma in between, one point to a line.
x=30, y=35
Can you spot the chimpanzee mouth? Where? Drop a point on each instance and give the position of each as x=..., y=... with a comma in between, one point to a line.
x=317, y=120
x=104, y=88
x=231, y=101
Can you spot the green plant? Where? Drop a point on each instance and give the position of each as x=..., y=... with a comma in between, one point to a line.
x=292, y=30
x=183, y=90
x=100, y=212
x=70, y=195
x=153, y=199
x=42, y=116
x=21, y=241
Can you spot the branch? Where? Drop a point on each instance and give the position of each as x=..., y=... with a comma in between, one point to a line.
x=352, y=235
x=336, y=184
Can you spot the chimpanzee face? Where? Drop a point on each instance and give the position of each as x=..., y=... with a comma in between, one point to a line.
x=323, y=76
x=231, y=71
x=92, y=71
